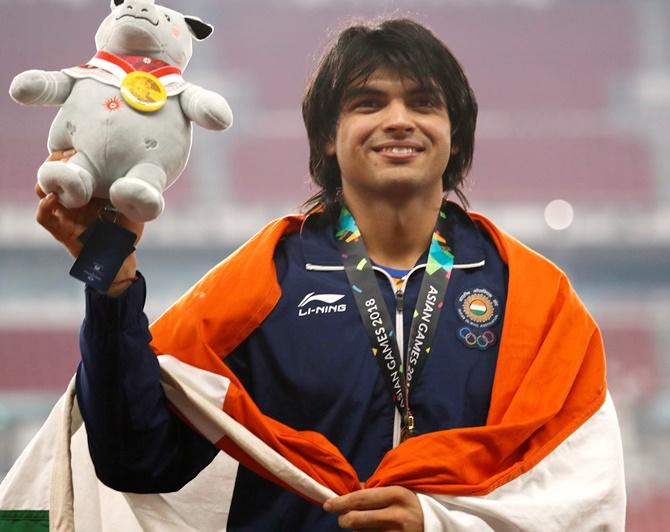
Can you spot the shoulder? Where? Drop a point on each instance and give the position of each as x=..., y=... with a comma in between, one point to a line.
x=260, y=248
x=276, y=230
x=516, y=255
x=534, y=283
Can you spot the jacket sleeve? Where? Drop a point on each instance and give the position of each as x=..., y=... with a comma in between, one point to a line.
x=578, y=486
x=136, y=442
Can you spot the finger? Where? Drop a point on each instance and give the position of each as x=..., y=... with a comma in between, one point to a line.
x=55, y=155
x=367, y=499
x=384, y=519
x=45, y=210
x=39, y=191
x=50, y=216
x=61, y=155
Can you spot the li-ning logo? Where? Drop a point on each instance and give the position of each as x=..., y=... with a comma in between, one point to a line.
x=330, y=301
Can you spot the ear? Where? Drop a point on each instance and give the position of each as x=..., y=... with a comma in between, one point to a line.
x=330, y=148
x=115, y=3
x=199, y=29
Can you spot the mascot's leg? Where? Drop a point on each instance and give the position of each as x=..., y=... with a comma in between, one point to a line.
x=139, y=194
x=71, y=181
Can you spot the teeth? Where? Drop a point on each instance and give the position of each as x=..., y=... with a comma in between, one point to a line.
x=399, y=149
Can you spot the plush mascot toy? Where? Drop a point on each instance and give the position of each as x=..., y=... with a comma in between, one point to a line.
x=127, y=112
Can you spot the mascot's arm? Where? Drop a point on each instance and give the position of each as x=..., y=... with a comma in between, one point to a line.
x=38, y=87
x=206, y=108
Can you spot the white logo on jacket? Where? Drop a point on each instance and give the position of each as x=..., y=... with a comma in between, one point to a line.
x=329, y=307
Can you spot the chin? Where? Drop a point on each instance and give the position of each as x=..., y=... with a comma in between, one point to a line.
x=402, y=188
x=406, y=180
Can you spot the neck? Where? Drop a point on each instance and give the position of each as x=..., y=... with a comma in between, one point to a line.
x=396, y=233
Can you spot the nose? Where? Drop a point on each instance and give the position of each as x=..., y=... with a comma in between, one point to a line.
x=142, y=6
x=398, y=118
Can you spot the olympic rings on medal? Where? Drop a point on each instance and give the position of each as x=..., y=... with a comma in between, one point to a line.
x=479, y=341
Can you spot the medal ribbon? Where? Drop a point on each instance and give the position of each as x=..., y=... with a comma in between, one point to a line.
x=398, y=374
x=141, y=78
x=120, y=65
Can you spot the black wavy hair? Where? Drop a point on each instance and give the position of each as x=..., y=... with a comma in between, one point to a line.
x=402, y=46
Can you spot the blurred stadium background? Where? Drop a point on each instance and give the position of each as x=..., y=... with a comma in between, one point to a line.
x=574, y=105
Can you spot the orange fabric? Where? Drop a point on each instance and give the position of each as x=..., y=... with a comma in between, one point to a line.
x=550, y=375
x=212, y=318
x=550, y=378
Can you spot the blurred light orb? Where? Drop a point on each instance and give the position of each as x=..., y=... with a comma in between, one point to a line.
x=559, y=214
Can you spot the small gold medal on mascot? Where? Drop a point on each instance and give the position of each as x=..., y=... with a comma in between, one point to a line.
x=143, y=91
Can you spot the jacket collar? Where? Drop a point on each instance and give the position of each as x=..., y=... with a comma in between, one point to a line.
x=319, y=248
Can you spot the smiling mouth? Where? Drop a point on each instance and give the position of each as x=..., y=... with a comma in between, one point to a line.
x=140, y=17
x=399, y=150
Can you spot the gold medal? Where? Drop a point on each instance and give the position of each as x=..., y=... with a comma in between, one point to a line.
x=407, y=430
x=143, y=91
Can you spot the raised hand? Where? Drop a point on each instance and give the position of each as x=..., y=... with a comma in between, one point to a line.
x=67, y=224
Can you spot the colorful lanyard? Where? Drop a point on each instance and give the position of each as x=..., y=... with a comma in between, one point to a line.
x=398, y=374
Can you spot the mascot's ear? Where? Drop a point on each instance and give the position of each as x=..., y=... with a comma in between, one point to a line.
x=200, y=30
x=114, y=3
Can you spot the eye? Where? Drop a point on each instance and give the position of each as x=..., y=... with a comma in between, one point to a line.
x=427, y=104
x=424, y=102
x=167, y=17
x=367, y=104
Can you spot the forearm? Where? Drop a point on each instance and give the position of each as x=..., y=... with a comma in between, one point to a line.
x=137, y=443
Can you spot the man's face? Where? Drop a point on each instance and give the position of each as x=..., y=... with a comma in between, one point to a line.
x=393, y=137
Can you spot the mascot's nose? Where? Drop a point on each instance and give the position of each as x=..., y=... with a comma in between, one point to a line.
x=141, y=9
x=139, y=6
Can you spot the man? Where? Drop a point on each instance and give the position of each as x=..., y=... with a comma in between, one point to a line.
x=386, y=335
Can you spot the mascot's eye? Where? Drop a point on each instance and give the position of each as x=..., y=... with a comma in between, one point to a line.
x=167, y=17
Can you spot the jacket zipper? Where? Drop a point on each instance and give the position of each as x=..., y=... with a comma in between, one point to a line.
x=400, y=302
x=400, y=338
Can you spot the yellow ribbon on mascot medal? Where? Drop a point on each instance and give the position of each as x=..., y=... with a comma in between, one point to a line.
x=143, y=91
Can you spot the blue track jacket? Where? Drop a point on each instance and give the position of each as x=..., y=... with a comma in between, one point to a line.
x=309, y=365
